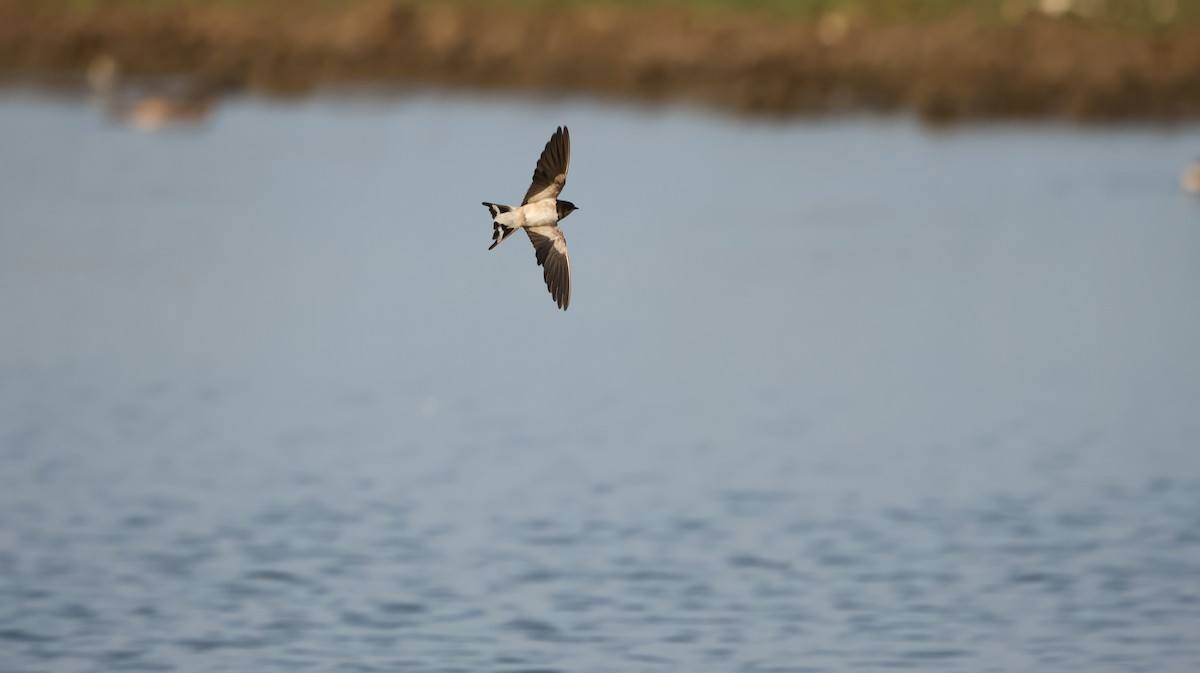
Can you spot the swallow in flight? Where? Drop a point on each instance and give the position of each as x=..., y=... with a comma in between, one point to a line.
x=539, y=215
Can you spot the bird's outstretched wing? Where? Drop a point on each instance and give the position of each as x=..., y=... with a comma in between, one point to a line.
x=551, y=172
x=551, y=249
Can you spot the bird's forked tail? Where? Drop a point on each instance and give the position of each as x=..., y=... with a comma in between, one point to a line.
x=499, y=231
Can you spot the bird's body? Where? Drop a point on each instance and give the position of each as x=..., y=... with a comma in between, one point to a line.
x=539, y=215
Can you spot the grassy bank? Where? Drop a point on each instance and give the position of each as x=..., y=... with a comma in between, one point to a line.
x=945, y=59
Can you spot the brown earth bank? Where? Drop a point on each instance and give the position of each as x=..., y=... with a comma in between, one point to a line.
x=946, y=69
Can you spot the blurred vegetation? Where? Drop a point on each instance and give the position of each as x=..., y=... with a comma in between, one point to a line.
x=944, y=59
x=1124, y=14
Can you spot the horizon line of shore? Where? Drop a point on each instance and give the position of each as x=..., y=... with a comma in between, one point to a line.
x=946, y=69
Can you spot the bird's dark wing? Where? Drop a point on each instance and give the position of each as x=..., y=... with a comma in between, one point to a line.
x=551, y=172
x=551, y=248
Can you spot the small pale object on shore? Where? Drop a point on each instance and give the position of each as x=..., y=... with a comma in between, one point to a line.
x=1055, y=7
x=1191, y=178
x=832, y=28
x=102, y=73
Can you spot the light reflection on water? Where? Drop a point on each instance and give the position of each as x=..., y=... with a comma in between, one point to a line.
x=830, y=396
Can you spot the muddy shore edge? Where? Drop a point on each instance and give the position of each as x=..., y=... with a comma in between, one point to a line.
x=954, y=68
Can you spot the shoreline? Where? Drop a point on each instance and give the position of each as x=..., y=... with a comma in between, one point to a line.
x=942, y=70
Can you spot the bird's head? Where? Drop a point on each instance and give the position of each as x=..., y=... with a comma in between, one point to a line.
x=565, y=208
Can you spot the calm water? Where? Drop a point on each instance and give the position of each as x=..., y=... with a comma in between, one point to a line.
x=831, y=396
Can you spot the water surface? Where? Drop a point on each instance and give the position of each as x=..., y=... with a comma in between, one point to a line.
x=831, y=395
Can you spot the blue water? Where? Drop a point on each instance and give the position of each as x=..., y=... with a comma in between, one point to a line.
x=831, y=395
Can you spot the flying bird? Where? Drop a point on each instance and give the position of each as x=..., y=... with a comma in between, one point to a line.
x=539, y=215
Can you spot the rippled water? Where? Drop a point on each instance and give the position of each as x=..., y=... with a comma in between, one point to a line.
x=839, y=395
